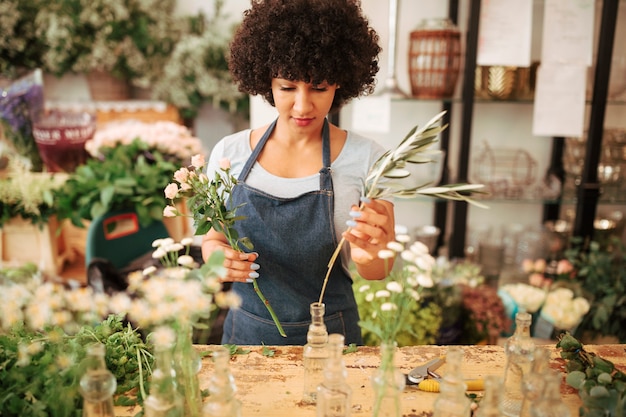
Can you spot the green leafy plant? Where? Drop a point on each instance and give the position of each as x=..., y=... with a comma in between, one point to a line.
x=208, y=201
x=40, y=369
x=128, y=176
x=601, y=271
x=601, y=386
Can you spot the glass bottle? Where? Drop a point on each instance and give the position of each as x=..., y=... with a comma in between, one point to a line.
x=314, y=353
x=97, y=384
x=519, y=350
x=489, y=406
x=221, y=401
x=533, y=383
x=388, y=383
x=550, y=404
x=452, y=401
x=334, y=395
x=187, y=366
x=164, y=399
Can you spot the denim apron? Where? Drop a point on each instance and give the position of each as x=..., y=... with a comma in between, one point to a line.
x=295, y=238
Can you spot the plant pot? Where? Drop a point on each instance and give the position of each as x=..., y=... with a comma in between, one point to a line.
x=105, y=87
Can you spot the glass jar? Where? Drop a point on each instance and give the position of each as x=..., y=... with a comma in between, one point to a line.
x=314, y=354
x=388, y=383
x=334, y=395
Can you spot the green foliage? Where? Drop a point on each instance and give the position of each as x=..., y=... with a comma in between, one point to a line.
x=601, y=386
x=602, y=274
x=129, y=176
x=39, y=371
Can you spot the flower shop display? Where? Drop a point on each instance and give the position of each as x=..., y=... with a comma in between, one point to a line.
x=207, y=200
x=127, y=176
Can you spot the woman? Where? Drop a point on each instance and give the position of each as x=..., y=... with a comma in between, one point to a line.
x=300, y=178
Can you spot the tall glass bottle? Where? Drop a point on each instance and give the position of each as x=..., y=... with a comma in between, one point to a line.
x=388, y=383
x=519, y=350
x=550, y=404
x=164, y=399
x=97, y=385
x=334, y=395
x=314, y=353
x=489, y=406
x=452, y=401
x=222, y=401
x=533, y=383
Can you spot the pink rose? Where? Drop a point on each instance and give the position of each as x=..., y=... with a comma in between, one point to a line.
x=540, y=265
x=224, y=164
x=564, y=267
x=536, y=279
x=197, y=160
x=170, y=211
x=528, y=265
x=181, y=175
x=171, y=191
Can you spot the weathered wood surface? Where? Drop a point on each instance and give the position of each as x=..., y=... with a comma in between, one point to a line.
x=272, y=386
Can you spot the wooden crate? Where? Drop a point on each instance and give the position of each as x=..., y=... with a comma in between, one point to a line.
x=22, y=242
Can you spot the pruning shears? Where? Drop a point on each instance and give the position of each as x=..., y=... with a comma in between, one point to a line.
x=426, y=379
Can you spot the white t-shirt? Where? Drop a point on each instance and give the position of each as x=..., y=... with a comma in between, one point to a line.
x=348, y=173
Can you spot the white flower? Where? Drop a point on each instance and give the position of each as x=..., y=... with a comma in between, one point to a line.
x=388, y=307
x=163, y=336
x=186, y=260
x=394, y=286
x=395, y=246
x=382, y=294
x=425, y=280
x=386, y=254
x=364, y=288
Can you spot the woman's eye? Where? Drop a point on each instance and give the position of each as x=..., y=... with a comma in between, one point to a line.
x=320, y=88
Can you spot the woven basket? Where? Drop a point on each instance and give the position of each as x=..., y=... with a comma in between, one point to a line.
x=105, y=87
x=434, y=59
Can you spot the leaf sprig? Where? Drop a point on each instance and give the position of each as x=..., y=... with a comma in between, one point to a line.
x=382, y=180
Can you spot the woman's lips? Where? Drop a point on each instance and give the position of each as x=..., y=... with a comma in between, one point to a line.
x=302, y=121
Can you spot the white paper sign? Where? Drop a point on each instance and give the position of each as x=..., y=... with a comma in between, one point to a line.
x=559, y=100
x=505, y=32
x=568, y=32
x=372, y=114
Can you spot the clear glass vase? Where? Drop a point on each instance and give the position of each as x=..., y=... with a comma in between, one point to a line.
x=388, y=383
x=314, y=354
x=187, y=365
x=334, y=395
x=97, y=384
x=222, y=401
x=164, y=399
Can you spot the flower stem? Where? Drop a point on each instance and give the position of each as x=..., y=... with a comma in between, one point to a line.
x=269, y=308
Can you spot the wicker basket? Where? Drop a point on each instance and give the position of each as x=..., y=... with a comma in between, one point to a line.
x=105, y=87
x=434, y=59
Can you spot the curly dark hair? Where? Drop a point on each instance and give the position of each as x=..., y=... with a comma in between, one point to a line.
x=305, y=40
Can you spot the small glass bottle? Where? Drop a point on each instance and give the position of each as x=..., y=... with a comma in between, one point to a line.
x=388, y=383
x=489, y=406
x=519, y=350
x=452, y=401
x=550, y=404
x=533, y=383
x=221, y=401
x=164, y=399
x=97, y=385
x=334, y=395
x=314, y=353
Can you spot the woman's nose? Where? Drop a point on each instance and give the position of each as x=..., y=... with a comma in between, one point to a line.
x=302, y=102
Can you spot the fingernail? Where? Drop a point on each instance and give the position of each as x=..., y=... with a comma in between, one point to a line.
x=355, y=214
x=253, y=274
x=351, y=223
x=255, y=266
x=365, y=200
x=249, y=280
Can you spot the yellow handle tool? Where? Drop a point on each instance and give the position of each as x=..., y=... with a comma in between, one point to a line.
x=432, y=385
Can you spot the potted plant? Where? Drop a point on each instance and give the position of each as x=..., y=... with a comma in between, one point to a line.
x=197, y=70
x=29, y=228
x=127, y=39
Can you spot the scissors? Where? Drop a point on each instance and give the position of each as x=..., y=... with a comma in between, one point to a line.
x=426, y=379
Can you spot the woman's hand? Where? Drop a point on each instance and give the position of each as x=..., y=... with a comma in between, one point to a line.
x=371, y=228
x=240, y=266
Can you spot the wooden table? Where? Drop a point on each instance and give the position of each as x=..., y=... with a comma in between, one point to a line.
x=272, y=386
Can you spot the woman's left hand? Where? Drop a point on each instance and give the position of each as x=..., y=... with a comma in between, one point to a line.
x=371, y=228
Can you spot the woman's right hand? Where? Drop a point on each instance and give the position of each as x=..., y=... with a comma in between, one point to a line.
x=240, y=266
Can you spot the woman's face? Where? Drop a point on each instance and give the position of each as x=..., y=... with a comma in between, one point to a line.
x=303, y=105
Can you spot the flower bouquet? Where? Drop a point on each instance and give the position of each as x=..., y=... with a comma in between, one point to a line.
x=207, y=200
